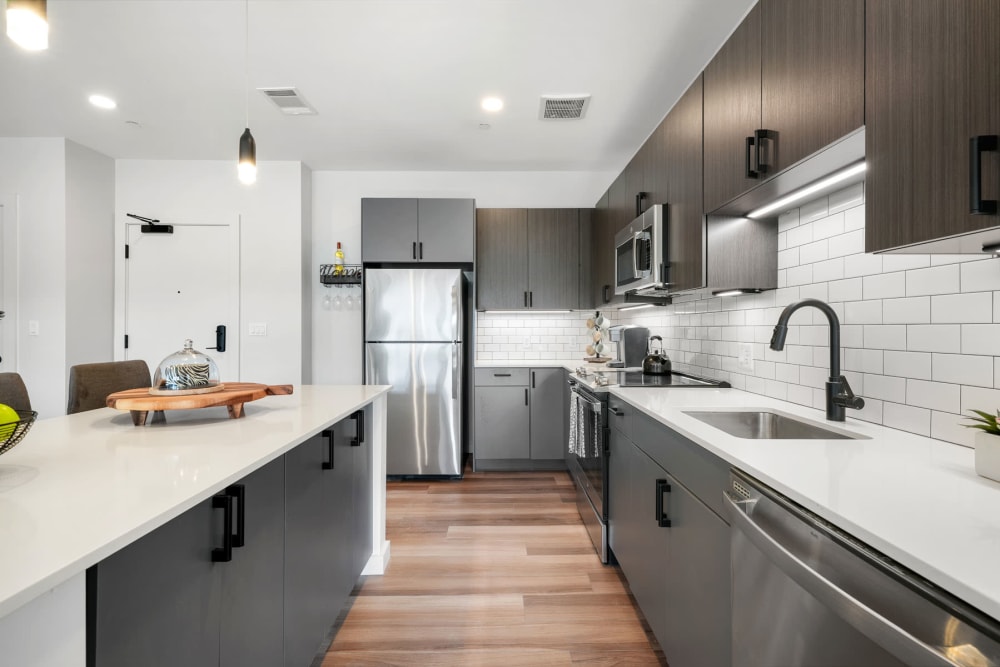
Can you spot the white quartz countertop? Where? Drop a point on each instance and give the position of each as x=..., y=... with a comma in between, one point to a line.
x=533, y=363
x=80, y=487
x=917, y=500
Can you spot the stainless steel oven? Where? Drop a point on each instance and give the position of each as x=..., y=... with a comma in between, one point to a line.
x=587, y=460
x=641, y=260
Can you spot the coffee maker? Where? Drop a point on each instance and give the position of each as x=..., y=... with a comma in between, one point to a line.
x=630, y=345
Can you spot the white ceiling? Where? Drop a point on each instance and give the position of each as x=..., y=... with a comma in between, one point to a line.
x=397, y=83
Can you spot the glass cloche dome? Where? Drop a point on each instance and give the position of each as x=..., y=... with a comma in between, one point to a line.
x=185, y=370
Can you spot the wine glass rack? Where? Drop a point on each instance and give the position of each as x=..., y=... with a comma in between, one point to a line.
x=340, y=275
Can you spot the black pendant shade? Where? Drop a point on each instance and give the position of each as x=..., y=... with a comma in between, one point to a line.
x=248, y=157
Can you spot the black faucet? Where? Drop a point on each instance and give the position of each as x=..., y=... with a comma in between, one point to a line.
x=838, y=391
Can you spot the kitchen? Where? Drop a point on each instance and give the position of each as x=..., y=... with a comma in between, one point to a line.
x=918, y=330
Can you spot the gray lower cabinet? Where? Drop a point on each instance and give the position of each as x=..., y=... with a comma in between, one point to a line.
x=671, y=546
x=417, y=230
x=520, y=418
x=164, y=600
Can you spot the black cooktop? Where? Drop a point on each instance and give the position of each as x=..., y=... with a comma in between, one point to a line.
x=675, y=379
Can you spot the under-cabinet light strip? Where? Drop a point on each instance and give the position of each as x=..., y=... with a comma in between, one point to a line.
x=799, y=195
x=641, y=305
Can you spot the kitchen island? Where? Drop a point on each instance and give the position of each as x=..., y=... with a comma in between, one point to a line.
x=79, y=488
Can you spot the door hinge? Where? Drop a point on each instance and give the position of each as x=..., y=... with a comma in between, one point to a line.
x=126, y=341
x=126, y=251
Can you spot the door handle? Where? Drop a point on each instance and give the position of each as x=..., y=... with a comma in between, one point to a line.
x=662, y=520
x=759, y=136
x=225, y=553
x=454, y=371
x=421, y=250
x=525, y=299
x=238, y=492
x=750, y=144
x=414, y=250
x=525, y=395
x=359, y=421
x=220, y=338
x=328, y=434
x=531, y=299
x=978, y=146
x=604, y=293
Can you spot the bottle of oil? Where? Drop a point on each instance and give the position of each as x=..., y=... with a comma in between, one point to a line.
x=338, y=262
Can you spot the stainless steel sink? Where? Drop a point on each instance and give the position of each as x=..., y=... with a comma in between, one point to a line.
x=763, y=425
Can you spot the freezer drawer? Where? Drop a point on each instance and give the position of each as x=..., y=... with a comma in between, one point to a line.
x=424, y=405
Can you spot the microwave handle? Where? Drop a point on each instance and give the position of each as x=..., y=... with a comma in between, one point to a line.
x=635, y=255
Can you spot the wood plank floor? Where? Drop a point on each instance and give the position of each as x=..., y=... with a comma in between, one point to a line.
x=495, y=569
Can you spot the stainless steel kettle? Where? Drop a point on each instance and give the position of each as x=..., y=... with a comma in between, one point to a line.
x=656, y=362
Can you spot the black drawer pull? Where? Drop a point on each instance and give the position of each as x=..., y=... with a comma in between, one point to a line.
x=977, y=146
x=359, y=421
x=328, y=434
x=662, y=520
x=239, y=493
x=501, y=375
x=224, y=503
x=616, y=412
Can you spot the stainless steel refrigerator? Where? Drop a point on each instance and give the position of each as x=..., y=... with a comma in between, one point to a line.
x=414, y=324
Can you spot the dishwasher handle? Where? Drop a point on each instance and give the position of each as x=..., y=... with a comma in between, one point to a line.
x=879, y=629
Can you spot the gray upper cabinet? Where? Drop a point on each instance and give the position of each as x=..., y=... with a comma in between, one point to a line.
x=417, y=230
x=528, y=258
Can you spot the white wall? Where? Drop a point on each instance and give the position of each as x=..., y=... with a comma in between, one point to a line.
x=271, y=236
x=337, y=344
x=35, y=171
x=90, y=214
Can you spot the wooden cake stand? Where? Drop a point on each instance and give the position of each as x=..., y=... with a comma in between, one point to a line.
x=139, y=402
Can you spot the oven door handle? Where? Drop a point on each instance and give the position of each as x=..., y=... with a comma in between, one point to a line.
x=593, y=404
x=879, y=629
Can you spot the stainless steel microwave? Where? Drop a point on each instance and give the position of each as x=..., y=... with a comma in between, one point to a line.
x=641, y=263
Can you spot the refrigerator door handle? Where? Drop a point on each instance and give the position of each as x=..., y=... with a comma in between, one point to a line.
x=454, y=371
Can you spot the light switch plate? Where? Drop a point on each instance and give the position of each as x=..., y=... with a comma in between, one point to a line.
x=745, y=359
x=258, y=328
x=33, y=327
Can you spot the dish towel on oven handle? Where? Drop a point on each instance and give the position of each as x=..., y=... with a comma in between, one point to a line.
x=575, y=445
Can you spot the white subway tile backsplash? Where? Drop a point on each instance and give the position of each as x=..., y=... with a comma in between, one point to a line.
x=912, y=310
x=904, y=262
x=947, y=426
x=854, y=218
x=800, y=275
x=933, y=338
x=787, y=258
x=907, y=418
x=963, y=369
x=814, y=252
x=933, y=395
x=864, y=361
x=872, y=412
x=961, y=308
x=829, y=226
x=981, y=339
x=814, y=210
x=885, y=337
x=885, y=387
x=800, y=235
x=981, y=275
x=884, y=286
x=996, y=372
x=850, y=243
x=862, y=265
x=846, y=290
x=788, y=220
x=979, y=398
x=907, y=364
x=831, y=269
x=934, y=280
x=863, y=312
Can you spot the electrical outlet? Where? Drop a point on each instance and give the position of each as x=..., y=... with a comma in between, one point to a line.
x=258, y=328
x=745, y=359
x=32, y=327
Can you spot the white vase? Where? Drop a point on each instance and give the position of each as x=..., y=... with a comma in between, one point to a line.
x=988, y=455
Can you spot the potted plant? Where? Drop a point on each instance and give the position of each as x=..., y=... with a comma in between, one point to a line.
x=987, y=441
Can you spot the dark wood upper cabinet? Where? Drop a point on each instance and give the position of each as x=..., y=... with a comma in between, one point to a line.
x=602, y=239
x=787, y=83
x=501, y=258
x=682, y=168
x=553, y=258
x=732, y=112
x=932, y=85
x=812, y=75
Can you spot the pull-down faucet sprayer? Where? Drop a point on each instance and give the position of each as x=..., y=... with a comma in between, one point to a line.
x=838, y=391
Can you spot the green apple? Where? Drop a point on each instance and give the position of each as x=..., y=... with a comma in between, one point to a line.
x=8, y=421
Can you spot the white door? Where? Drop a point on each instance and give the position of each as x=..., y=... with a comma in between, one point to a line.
x=8, y=283
x=183, y=285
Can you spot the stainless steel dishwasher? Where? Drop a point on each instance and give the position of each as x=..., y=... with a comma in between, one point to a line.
x=805, y=593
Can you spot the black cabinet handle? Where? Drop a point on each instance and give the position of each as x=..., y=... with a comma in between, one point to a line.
x=525, y=395
x=638, y=202
x=604, y=293
x=239, y=493
x=532, y=379
x=328, y=434
x=978, y=146
x=220, y=339
x=359, y=421
x=414, y=250
x=225, y=503
x=501, y=375
x=531, y=299
x=759, y=137
x=750, y=144
x=616, y=412
x=661, y=517
x=421, y=245
x=525, y=299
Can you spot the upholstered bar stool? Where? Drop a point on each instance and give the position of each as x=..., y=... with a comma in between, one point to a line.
x=90, y=384
x=13, y=392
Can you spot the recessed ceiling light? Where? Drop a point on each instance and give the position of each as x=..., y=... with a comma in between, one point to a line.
x=492, y=104
x=102, y=102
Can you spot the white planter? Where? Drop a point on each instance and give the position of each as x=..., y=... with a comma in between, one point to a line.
x=988, y=455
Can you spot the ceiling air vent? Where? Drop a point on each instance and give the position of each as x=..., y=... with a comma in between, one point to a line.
x=563, y=107
x=288, y=101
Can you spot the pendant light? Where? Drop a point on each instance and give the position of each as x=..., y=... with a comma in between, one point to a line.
x=247, y=167
x=27, y=24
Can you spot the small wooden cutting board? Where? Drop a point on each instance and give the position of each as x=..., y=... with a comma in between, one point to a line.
x=139, y=402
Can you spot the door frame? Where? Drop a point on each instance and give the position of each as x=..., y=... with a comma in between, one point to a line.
x=121, y=271
x=11, y=274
